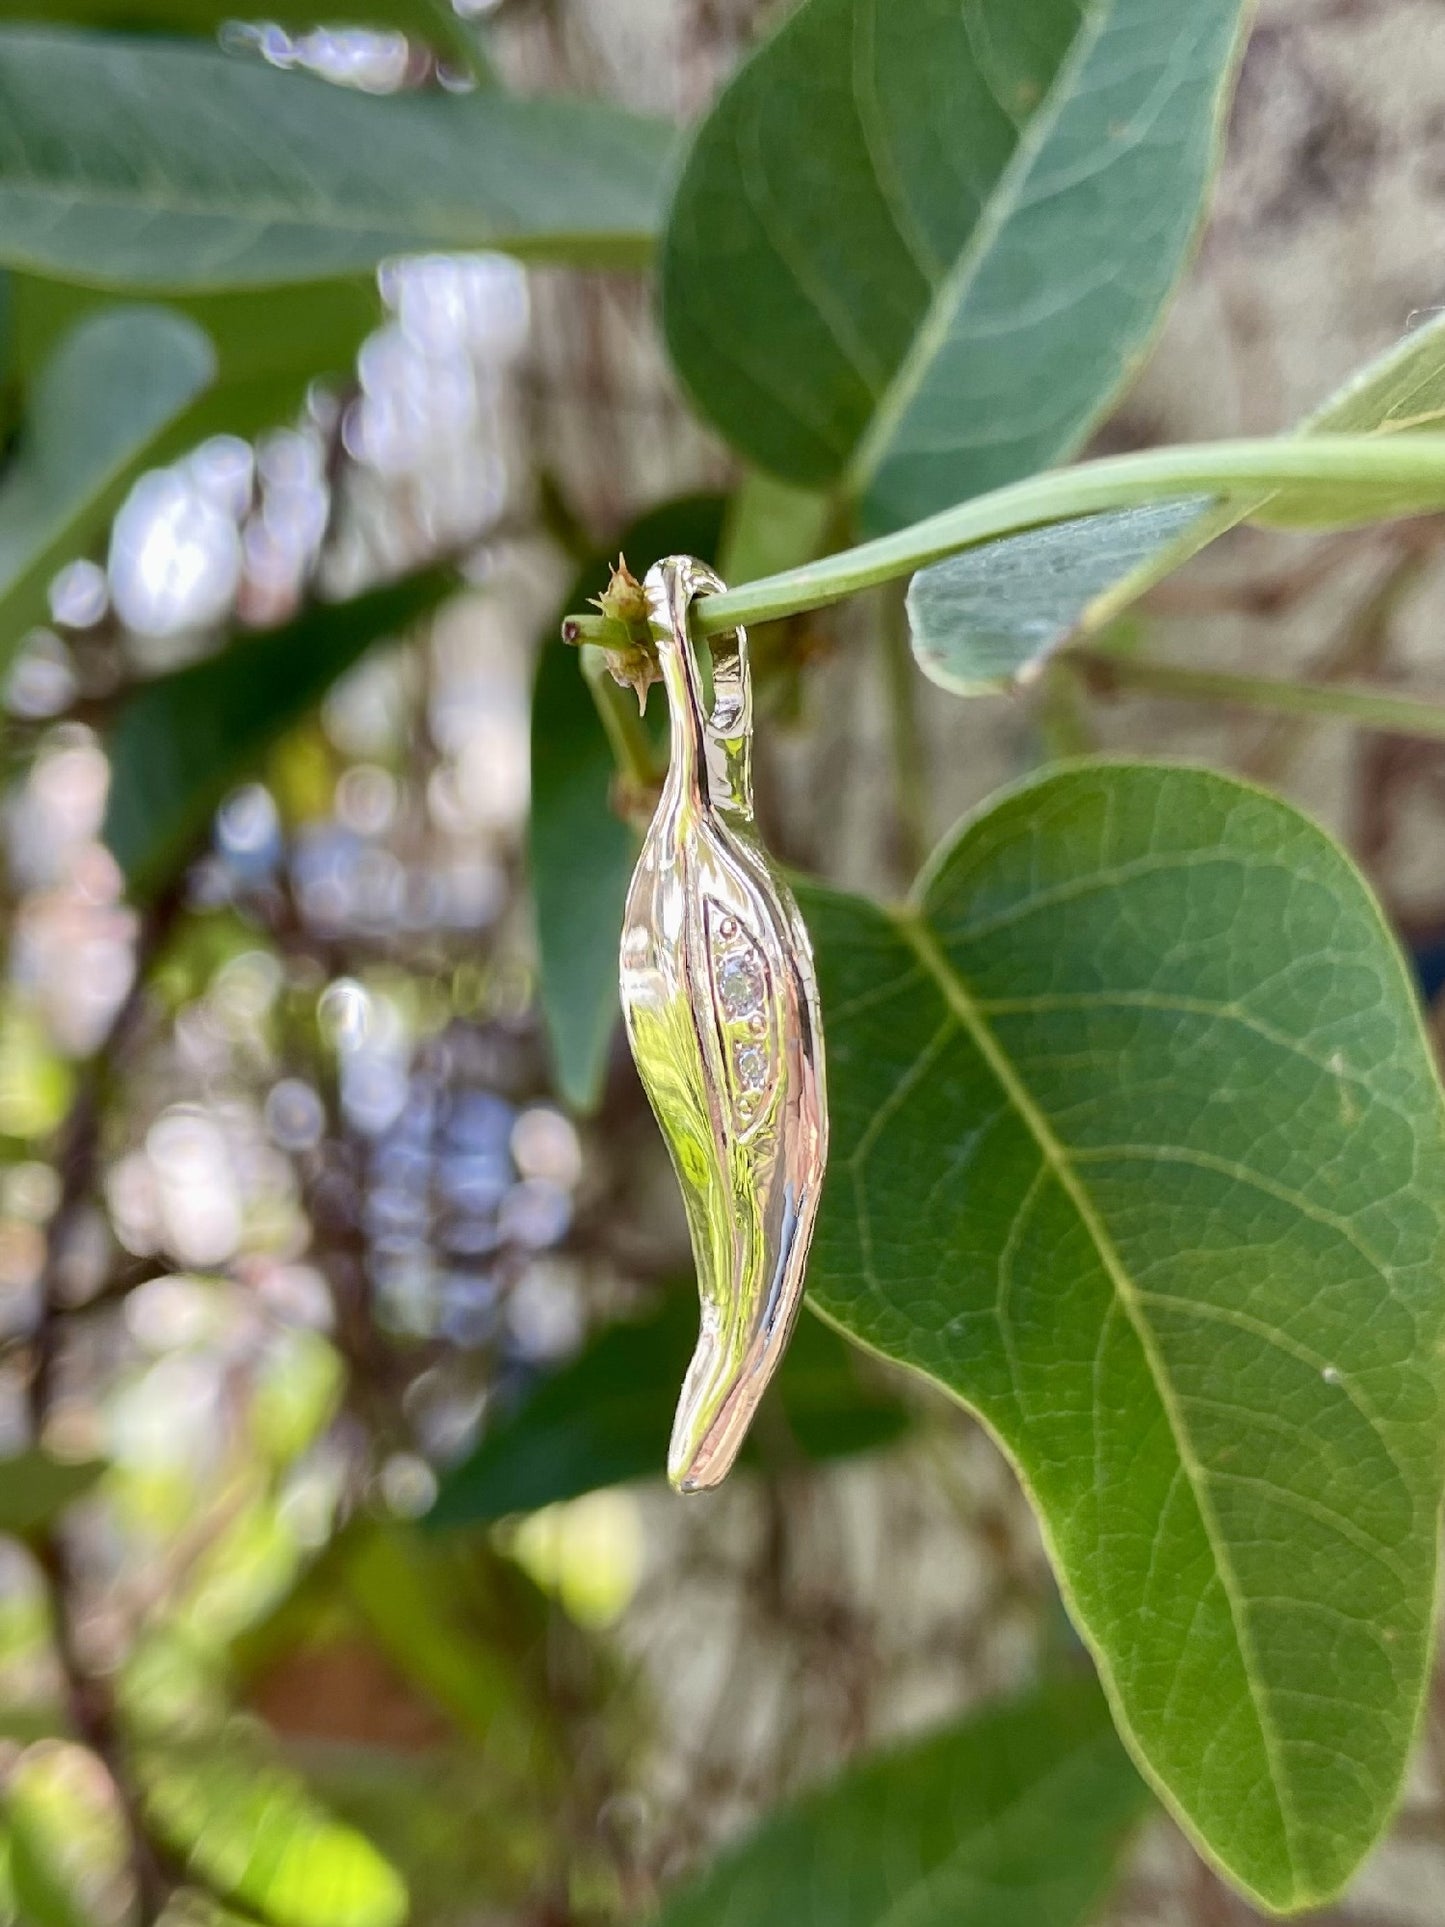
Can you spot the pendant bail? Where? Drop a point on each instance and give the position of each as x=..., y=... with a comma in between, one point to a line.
x=715, y=739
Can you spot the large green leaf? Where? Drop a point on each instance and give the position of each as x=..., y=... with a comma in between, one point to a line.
x=162, y=165
x=181, y=741
x=580, y=853
x=98, y=409
x=984, y=617
x=918, y=246
x=604, y=1419
x=1015, y=1818
x=1138, y=1149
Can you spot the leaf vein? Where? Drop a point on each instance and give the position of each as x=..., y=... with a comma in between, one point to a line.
x=958, y=1000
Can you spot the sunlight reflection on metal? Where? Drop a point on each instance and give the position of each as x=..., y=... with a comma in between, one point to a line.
x=722, y=1013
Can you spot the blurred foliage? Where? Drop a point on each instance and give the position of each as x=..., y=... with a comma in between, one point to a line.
x=35, y=1487
x=1016, y=1818
x=605, y=1418
x=432, y=22
x=268, y=346
x=97, y=410
x=181, y=742
x=248, y=1828
x=35, y=1081
x=160, y=166
x=343, y=1294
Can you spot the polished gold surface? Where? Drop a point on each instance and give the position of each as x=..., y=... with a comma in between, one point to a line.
x=722, y=1013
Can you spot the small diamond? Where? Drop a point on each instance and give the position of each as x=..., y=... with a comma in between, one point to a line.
x=740, y=984
x=751, y=1065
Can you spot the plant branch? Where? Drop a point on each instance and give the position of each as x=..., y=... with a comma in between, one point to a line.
x=621, y=721
x=1361, y=646
x=157, y=1873
x=1344, y=478
x=1340, y=702
x=89, y=1701
x=910, y=788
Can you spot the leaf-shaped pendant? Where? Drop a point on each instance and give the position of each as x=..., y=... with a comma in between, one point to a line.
x=722, y=1014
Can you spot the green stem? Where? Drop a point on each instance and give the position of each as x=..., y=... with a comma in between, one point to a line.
x=1063, y=722
x=1360, y=647
x=621, y=720
x=1342, y=702
x=1349, y=479
x=909, y=774
x=601, y=632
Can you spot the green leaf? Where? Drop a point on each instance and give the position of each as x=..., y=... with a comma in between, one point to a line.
x=1332, y=480
x=98, y=408
x=67, y=1841
x=1138, y=1149
x=253, y=1834
x=1017, y=1817
x=35, y=1488
x=270, y=345
x=580, y=853
x=771, y=526
x=1401, y=389
x=128, y=163
x=410, y=1601
x=43, y=1896
x=180, y=742
x=604, y=1419
x=983, y=618
x=918, y=246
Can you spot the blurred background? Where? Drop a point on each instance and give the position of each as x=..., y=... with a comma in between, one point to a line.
x=350, y=1325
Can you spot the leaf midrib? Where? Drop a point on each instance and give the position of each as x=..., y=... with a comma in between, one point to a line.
x=263, y=216
x=960, y=1002
x=949, y=293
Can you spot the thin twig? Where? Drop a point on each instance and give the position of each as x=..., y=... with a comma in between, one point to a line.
x=1261, y=595
x=89, y=1701
x=910, y=773
x=1371, y=708
x=1360, y=648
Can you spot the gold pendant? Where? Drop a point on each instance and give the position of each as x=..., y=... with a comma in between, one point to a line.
x=722, y=1014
